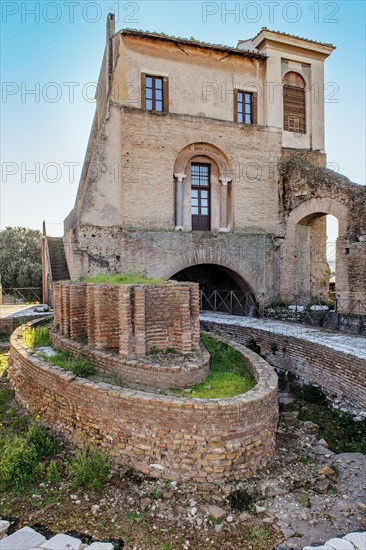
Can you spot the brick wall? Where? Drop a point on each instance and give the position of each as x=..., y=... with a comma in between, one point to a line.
x=130, y=319
x=338, y=373
x=205, y=441
x=141, y=373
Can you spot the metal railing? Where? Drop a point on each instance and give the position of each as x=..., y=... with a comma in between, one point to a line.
x=340, y=315
x=26, y=295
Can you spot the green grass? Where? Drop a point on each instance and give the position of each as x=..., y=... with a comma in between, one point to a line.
x=122, y=279
x=36, y=337
x=228, y=376
x=78, y=364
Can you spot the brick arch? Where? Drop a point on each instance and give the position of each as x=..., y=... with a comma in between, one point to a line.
x=296, y=281
x=202, y=150
x=320, y=206
x=239, y=272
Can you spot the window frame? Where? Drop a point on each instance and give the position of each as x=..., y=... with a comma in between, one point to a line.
x=253, y=105
x=199, y=187
x=164, y=90
x=294, y=120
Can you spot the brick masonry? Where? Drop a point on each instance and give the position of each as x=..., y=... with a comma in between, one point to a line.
x=339, y=373
x=129, y=319
x=200, y=440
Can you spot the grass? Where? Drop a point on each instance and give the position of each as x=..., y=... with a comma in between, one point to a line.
x=78, y=364
x=338, y=428
x=36, y=337
x=123, y=279
x=228, y=376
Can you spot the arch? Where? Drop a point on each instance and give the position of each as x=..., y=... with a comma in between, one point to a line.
x=242, y=277
x=222, y=289
x=304, y=264
x=324, y=205
x=292, y=78
x=202, y=149
x=188, y=202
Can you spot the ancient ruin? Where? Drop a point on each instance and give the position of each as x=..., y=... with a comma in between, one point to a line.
x=214, y=156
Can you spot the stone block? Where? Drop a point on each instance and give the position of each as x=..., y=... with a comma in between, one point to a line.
x=358, y=540
x=24, y=539
x=61, y=542
x=4, y=526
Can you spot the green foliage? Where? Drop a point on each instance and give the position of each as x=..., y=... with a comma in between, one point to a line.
x=21, y=456
x=156, y=494
x=53, y=475
x=78, y=364
x=241, y=500
x=228, y=376
x=122, y=279
x=339, y=429
x=18, y=463
x=20, y=257
x=45, y=444
x=36, y=337
x=90, y=468
x=274, y=348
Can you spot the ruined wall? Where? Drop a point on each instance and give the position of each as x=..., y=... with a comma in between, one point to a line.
x=131, y=319
x=199, y=440
x=308, y=192
x=338, y=373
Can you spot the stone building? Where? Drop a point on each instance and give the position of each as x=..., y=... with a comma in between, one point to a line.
x=207, y=163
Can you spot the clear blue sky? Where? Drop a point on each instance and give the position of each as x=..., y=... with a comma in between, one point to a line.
x=63, y=41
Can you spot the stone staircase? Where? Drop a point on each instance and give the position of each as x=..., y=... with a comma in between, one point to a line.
x=60, y=271
x=29, y=539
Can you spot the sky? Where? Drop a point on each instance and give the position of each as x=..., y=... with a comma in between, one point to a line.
x=51, y=52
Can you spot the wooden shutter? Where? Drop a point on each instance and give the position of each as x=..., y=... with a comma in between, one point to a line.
x=166, y=94
x=143, y=91
x=235, y=95
x=294, y=112
x=254, y=108
x=294, y=109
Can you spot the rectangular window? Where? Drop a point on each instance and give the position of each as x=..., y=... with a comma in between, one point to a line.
x=200, y=196
x=155, y=92
x=245, y=107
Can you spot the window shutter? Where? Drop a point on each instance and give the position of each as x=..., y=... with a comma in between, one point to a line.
x=235, y=95
x=254, y=108
x=166, y=94
x=294, y=109
x=143, y=91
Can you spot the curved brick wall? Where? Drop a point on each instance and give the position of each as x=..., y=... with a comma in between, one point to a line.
x=185, y=439
x=337, y=372
x=137, y=373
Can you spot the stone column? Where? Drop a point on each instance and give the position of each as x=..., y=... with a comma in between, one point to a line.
x=224, y=182
x=179, y=200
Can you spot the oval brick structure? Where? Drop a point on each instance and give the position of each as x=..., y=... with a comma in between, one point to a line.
x=178, y=438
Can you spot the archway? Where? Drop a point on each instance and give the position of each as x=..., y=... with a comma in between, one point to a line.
x=221, y=289
x=305, y=268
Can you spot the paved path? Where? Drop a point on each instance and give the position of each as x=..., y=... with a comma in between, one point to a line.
x=336, y=341
x=21, y=310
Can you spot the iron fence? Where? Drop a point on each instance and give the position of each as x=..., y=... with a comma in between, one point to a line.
x=26, y=295
x=340, y=315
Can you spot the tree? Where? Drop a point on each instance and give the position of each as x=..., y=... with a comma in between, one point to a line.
x=20, y=257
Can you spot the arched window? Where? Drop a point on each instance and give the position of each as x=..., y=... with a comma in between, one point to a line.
x=294, y=112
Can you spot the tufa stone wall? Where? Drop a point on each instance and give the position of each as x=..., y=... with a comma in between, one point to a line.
x=132, y=319
x=200, y=440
